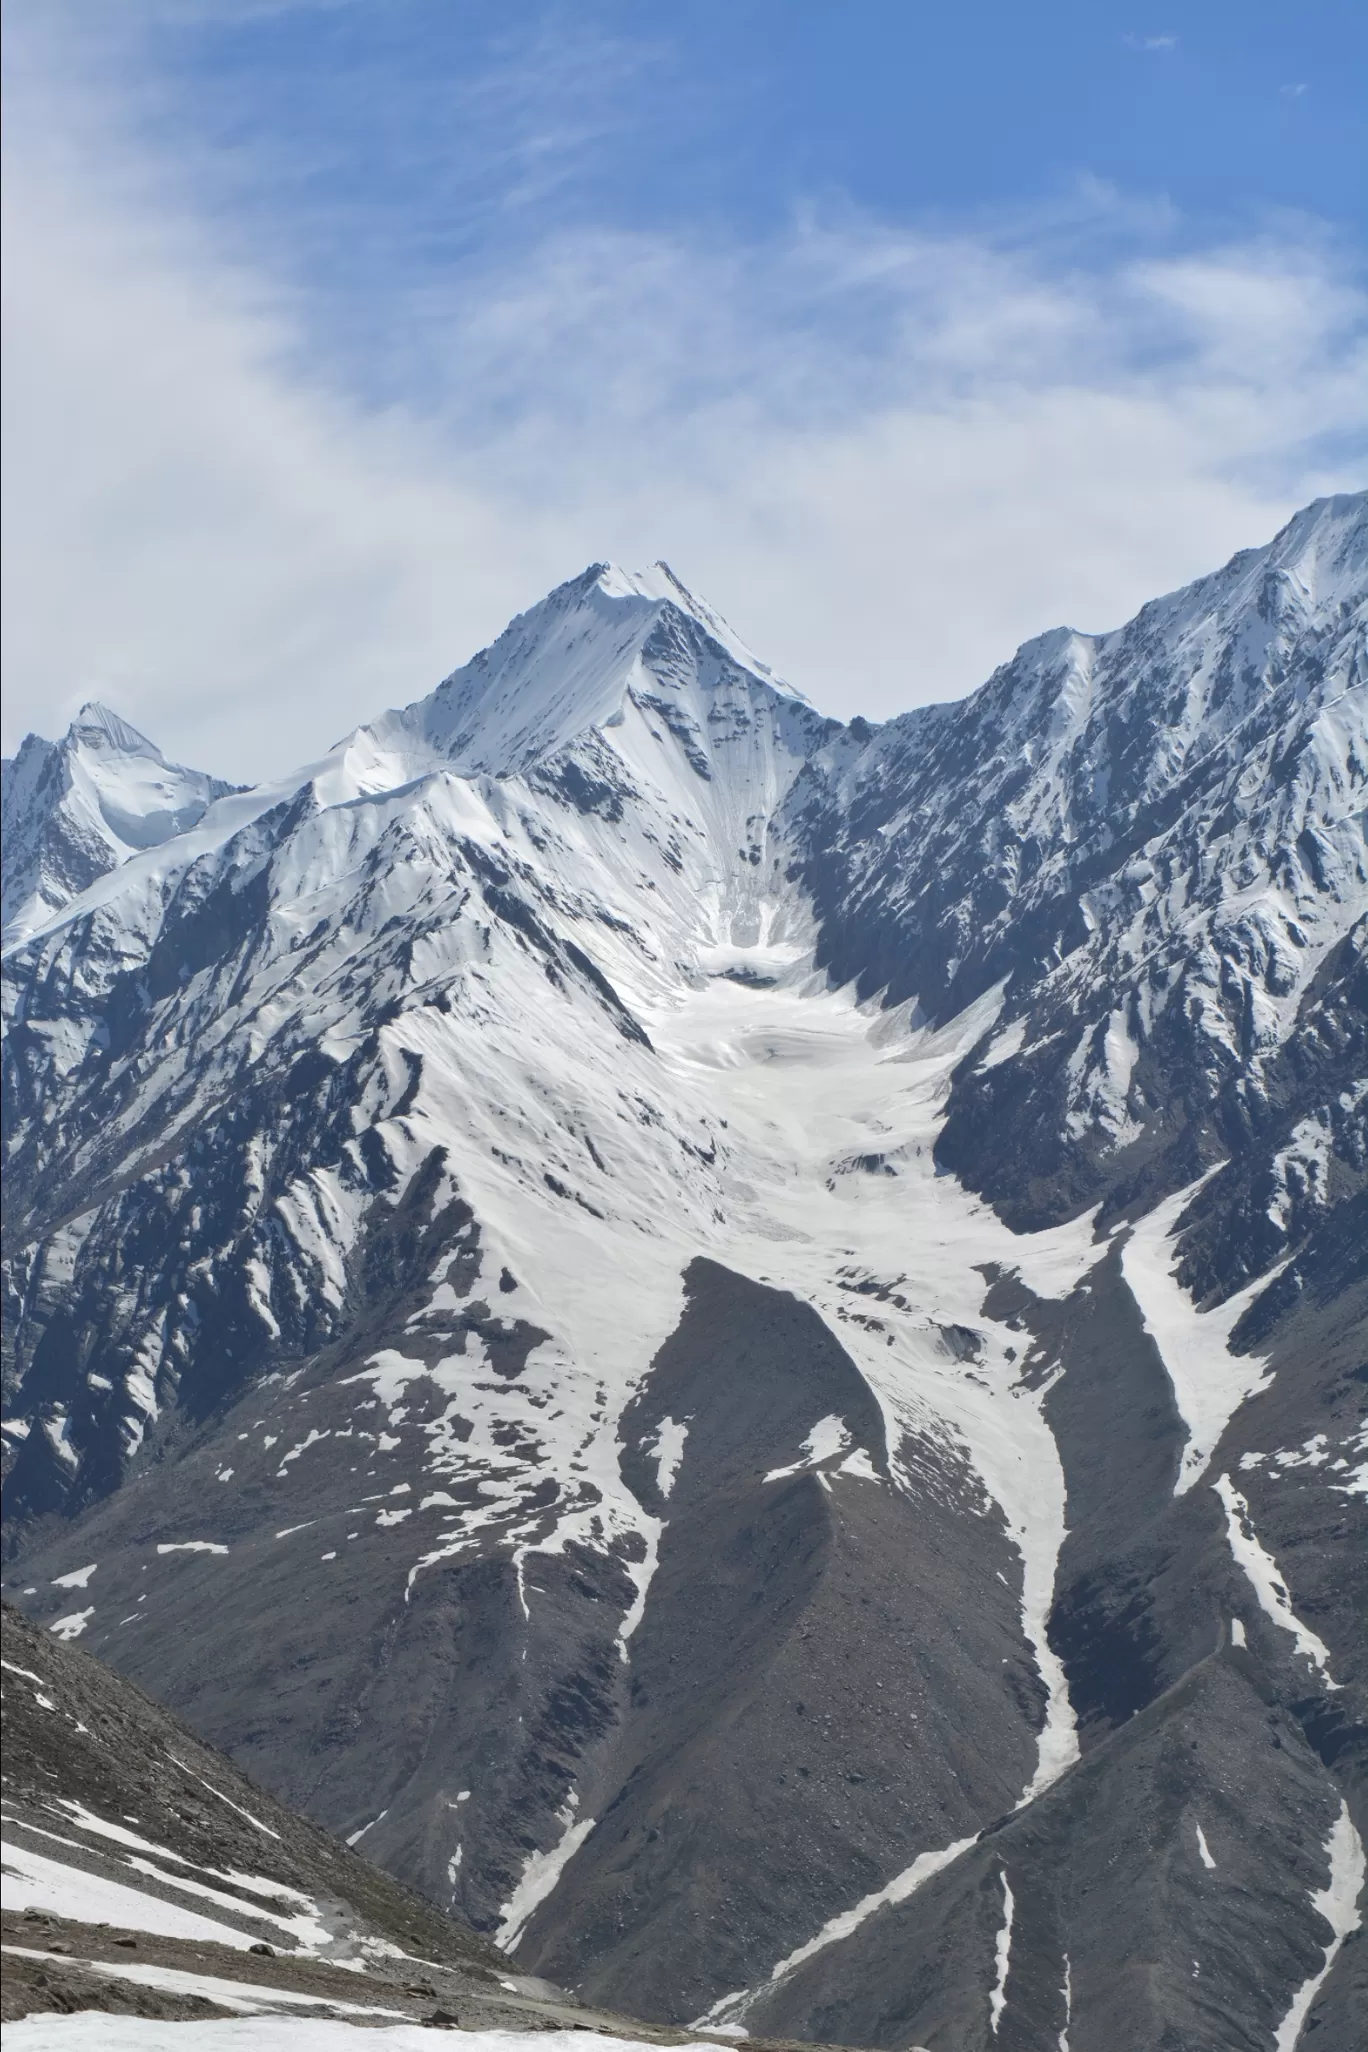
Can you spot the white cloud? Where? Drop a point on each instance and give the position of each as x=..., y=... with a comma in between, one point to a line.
x=888, y=455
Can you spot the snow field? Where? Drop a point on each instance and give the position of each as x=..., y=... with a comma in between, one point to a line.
x=90, y=2031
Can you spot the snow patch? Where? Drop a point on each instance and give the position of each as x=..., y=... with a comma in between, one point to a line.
x=669, y=1452
x=1338, y=1903
x=31, y=1881
x=73, y=1624
x=1209, y=1382
x=540, y=1877
x=354, y=1836
x=997, y=1999
x=1265, y=1580
x=828, y=1437
x=77, y=1579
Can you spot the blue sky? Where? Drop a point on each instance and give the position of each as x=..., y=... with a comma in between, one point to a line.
x=336, y=332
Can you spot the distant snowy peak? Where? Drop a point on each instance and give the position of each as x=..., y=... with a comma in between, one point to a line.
x=77, y=808
x=1086, y=726
x=560, y=670
x=1320, y=553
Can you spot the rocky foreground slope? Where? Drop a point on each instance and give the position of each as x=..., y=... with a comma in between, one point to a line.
x=144, y=1876
x=739, y=1343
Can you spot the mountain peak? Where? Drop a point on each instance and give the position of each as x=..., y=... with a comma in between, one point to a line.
x=1322, y=548
x=76, y=808
x=561, y=668
x=97, y=725
x=660, y=584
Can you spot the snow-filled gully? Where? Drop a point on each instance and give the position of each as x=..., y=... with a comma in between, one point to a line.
x=805, y=1081
x=1209, y=1386
x=1337, y=1902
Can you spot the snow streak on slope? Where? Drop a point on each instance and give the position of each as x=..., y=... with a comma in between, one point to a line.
x=1266, y=1581
x=1338, y=1903
x=924, y=1868
x=997, y=2000
x=540, y=1876
x=1209, y=1382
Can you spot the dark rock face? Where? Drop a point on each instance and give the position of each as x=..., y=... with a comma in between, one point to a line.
x=722, y=1484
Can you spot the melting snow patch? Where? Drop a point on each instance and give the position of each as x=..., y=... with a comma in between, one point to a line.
x=827, y=1438
x=77, y=1579
x=248, y=1998
x=73, y=1624
x=1209, y=1382
x=307, y=1930
x=1338, y=1904
x=33, y=1882
x=539, y=1877
x=1265, y=1580
x=88, y=1820
x=997, y=2000
x=92, y=2032
x=669, y=1452
x=1203, y=1849
x=355, y=1835
x=193, y=1546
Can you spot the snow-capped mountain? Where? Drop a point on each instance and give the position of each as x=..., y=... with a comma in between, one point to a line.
x=75, y=809
x=840, y=1251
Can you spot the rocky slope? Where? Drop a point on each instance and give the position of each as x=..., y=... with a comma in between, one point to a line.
x=841, y=1254
x=143, y=1874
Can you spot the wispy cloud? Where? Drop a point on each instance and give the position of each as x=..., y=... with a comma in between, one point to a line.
x=1166, y=41
x=888, y=454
